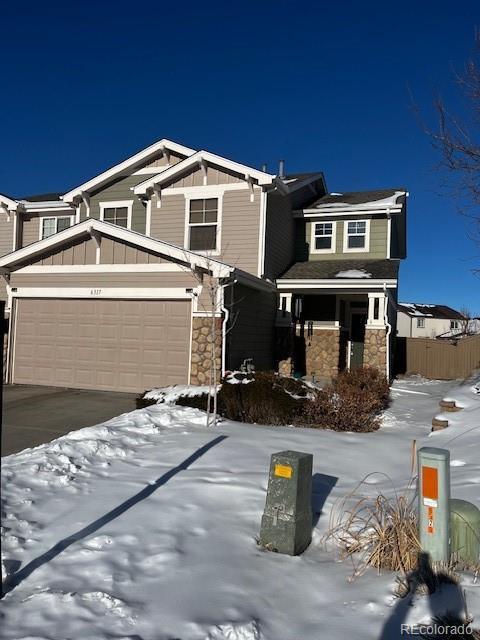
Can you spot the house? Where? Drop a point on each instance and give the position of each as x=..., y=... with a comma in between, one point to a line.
x=108, y=286
x=417, y=320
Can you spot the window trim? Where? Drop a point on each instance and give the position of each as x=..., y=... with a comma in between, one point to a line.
x=313, y=236
x=42, y=218
x=218, y=195
x=115, y=204
x=421, y=326
x=366, y=248
x=454, y=324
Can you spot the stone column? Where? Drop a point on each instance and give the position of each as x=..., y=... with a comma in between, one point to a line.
x=202, y=345
x=375, y=349
x=322, y=353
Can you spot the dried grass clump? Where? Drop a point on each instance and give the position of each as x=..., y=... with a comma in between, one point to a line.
x=379, y=532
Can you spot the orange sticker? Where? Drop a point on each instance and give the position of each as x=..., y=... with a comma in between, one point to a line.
x=430, y=483
x=283, y=470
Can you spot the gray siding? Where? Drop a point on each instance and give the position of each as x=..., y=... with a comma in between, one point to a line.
x=120, y=189
x=251, y=334
x=6, y=234
x=239, y=226
x=279, y=239
x=398, y=236
x=168, y=221
x=378, y=241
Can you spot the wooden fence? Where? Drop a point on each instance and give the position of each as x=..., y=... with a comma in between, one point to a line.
x=439, y=359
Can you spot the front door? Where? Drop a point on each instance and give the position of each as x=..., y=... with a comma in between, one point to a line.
x=357, y=338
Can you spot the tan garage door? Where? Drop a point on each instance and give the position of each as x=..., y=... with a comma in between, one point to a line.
x=121, y=345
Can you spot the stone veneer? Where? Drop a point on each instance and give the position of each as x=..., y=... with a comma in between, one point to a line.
x=375, y=349
x=202, y=344
x=322, y=353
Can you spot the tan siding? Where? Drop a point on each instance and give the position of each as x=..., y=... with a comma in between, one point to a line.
x=378, y=241
x=279, y=240
x=99, y=280
x=160, y=161
x=240, y=230
x=6, y=234
x=30, y=230
x=195, y=178
x=168, y=221
x=252, y=317
x=3, y=290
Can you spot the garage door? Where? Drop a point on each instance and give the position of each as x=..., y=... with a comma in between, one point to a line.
x=120, y=345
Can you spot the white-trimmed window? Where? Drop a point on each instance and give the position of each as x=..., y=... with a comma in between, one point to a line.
x=118, y=212
x=51, y=226
x=454, y=324
x=203, y=218
x=356, y=235
x=420, y=323
x=323, y=237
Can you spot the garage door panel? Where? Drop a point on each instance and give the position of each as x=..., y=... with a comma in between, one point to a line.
x=124, y=345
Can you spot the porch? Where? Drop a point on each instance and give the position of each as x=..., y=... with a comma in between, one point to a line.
x=321, y=333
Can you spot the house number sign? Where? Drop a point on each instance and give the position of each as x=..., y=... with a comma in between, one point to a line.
x=95, y=292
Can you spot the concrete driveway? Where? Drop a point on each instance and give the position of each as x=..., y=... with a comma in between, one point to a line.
x=34, y=415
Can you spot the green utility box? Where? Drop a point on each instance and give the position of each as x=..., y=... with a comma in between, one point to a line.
x=465, y=531
x=287, y=519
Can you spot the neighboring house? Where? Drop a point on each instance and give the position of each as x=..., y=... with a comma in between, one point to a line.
x=417, y=320
x=107, y=285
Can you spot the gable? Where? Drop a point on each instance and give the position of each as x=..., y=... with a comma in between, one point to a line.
x=196, y=177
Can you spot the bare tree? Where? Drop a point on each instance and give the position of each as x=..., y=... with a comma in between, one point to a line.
x=457, y=139
x=466, y=320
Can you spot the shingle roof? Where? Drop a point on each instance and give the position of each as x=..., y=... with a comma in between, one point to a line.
x=439, y=311
x=42, y=197
x=341, y=269
x=358, y=197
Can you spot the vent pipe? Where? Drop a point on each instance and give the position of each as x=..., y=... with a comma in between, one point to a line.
x=264, y=167
x=281, y=169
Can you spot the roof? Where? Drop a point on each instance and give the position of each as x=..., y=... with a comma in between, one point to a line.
x=438, y=311
x=376, y=197
x=343, y=269
x=43, y=197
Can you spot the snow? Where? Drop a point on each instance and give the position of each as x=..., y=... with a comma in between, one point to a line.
x=171, y=394
x=145, y=526
x=353, y=273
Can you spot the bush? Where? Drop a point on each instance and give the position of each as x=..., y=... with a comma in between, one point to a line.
x=352, y=402
x=142, y=402
x=267, y=399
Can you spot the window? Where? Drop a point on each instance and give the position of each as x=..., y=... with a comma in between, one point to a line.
x=454, y=324
x=323, y=237
x=119, y=213
x=203, y=224
x=50, y=226
x=356, y=235
x=116, y=215
x=420, y=323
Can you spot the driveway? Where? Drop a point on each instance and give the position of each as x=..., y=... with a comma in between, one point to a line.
x=33, y=415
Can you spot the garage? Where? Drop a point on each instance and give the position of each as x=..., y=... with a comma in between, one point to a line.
x=106, y=344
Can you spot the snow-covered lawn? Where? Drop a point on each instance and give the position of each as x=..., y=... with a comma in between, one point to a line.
x=145, y=527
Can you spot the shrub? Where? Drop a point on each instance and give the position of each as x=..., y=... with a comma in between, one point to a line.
x=352, y=402
x=142, y=402
x=267, y=399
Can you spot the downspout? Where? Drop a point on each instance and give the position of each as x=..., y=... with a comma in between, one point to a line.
x=226, y=316
x=389, y=329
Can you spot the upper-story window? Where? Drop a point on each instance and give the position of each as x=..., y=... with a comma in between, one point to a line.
x=50, y=226
x=356, y=237
x=119, y=213
x=323, y=237
x=420, y=323
x=203, y=224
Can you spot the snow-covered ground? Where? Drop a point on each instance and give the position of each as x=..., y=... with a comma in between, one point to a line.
x=145, y=527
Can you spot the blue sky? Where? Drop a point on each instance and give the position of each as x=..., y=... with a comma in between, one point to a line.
x=323, y=85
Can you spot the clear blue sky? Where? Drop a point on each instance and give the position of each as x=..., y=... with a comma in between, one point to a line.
x=321, y=84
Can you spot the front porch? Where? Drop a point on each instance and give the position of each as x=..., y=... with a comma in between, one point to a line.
x=321, y=333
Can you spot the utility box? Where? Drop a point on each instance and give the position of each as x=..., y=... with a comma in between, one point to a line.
x=465, y=531
x=434, y=502
x=287, y=519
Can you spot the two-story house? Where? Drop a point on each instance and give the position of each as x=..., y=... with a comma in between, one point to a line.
x=108, y=286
